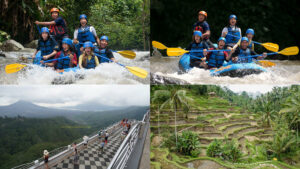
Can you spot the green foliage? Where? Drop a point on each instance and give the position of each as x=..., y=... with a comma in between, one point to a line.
x=284, y=141
x=187, y=143
x=24, y=139
x=214, y=149
x=3, y=36
x=256, y=152
x=226, y=150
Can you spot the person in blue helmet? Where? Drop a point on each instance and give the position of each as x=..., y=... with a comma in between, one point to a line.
x=249, y=35
x=216, y=59
x=88, y=60
x=58, y=26
x=195, y=48
x=47, y=45
x=202, y=26
x=242, y=54
x=232, y=33
x=104, y=50
x=67, y=52
x=85, y=33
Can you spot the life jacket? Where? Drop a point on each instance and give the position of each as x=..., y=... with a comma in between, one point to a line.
x=63, y=63
x=90, y=64
x=58, y=31
x=46, y=47
x=85, y=34
x=251, y=45
x=197, y=46
x=216, y=59
x=233, y=35
x=102, y=52
x=243, y=57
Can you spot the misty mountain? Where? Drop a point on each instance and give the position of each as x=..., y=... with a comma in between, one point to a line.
x=28, y=109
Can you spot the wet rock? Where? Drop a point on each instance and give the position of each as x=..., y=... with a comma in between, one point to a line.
x=2, y=54
x=32, y=44
x=158, y=79
x=11, y=45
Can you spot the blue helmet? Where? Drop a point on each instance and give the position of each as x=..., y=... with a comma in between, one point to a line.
x=198, y=33
x=251, y=31
x=88, y=44
x=244, y=39
x=67, y=41
x=83, y=16
x=222, y=38
x=104, y=38
x=44, y=29
x=232, y=16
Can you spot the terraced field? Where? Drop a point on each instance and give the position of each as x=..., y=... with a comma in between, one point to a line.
x=212, y=118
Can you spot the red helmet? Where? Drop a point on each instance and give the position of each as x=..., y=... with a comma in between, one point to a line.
x=203, y=13
x=54, y=10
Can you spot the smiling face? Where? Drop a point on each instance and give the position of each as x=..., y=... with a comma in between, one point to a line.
x=232, y=21
x=197, y=39
x=83, y=22
x=45, y=35
x=201, y=17
x=221, y=44
x=103, y=43
x=249, y=36
x=65, y=47
x=244, y=44
x=54, y=15
x=88, y=50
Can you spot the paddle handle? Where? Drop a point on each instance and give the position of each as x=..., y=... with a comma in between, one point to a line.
x=109, y=60
x=38, y=28
x=211, y=50
x=274, y=53
x=47, y=61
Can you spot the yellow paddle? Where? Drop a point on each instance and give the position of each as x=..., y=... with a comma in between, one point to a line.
x=179, y=51
x=127, y=54
x=294, y=50
x=270, y=46
x=13, y=68
x=158, y=45
x=139, y=72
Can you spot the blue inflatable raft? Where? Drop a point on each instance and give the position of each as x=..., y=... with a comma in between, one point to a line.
x=38, y=58
x=232, y=70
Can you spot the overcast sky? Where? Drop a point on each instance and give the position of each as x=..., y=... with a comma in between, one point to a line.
x=252, y=88
x=72, y=95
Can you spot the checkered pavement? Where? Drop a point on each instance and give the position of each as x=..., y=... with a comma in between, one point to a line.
x=92, y=157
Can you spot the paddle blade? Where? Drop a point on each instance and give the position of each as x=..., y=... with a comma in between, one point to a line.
x=176, y=51
x=138, y=71
x=127, y=54
x=294, y=50
x=158, y=45
x=271, y=46
x=265, y=63
x=13, y=68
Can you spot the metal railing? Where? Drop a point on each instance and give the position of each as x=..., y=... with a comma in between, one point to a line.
x=61, y=151
x=120, y=159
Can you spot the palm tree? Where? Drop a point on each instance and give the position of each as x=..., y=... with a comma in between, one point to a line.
x=159, y=97
x=177, y=99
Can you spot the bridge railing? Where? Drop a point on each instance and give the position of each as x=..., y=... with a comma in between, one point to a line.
x=58, y=153
x=120, y=159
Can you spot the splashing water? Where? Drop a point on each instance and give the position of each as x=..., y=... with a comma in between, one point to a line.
x=106, y=73
x=285, y=72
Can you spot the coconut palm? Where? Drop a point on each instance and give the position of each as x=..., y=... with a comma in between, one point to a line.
x=177, y=99
x=159, y=97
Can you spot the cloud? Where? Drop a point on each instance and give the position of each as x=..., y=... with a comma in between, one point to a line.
x=70, y=95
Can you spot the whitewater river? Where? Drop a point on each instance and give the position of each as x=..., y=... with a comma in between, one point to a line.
x=107, y=73
x=165, y=70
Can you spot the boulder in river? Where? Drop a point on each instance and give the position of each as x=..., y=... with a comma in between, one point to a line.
x=11, y=45
x=32, y=44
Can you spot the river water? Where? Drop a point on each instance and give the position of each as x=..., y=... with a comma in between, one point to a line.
x=285, y=72
x=107, y=73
